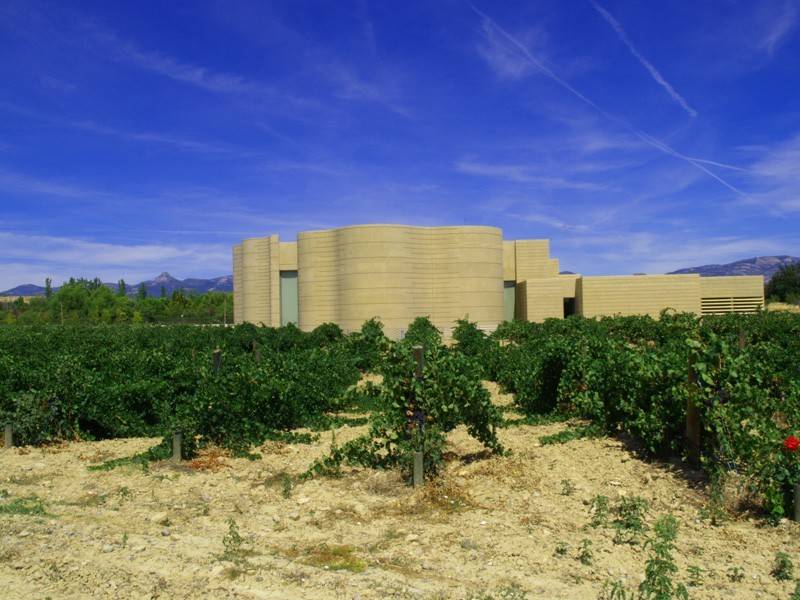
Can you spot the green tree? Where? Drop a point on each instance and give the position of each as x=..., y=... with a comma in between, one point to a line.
x=48, y=288
x=785, y=284
x=163, y=292
x=142, y=293
x=122, y=289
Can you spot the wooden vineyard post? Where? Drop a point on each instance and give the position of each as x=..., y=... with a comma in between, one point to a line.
x=8, y=436
x=692, y=419
x=217, y=356
x=742, y=339
x=796, y=514
x=177, y=441
x=419, y=466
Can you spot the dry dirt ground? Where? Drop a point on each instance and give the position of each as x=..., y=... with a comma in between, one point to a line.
x=488, y=529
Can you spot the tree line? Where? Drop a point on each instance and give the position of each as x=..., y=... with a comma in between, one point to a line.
x=90, y=301
x=785, y=285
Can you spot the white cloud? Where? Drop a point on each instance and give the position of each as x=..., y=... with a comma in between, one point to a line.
x=30, y=258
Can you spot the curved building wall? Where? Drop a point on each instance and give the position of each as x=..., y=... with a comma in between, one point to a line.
x=397, y=273
x=260, y=276
x=238, y=307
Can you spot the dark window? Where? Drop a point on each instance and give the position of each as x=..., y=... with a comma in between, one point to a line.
x=569, y=307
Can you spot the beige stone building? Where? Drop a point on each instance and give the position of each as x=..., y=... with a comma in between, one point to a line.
x=396, y=273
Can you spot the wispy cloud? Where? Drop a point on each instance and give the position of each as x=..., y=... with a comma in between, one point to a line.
x=319, y=168
x=18, y=182
x=777, y=175
x=654, y=73
x=504, y=59
x=350, y=86
x=165, y=139
x=199, y=76
x=549, y=221
x=778, y=26
x=624, y=251
x=649, y=139
x=524, y=174
x=64, y=257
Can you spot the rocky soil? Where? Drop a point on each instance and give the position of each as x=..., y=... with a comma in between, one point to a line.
x=490, y=527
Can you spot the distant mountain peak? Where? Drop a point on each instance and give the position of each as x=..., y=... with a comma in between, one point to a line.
x=164, y=278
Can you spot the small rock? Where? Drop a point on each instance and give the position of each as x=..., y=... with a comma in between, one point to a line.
x=484, y=522
x=469, y=544
x=294, y=516
x=23, y=533
x=108, y=548
x=412, y=537
x=165, y=531
x=303, y=500
x=160, y=517
x=276, y=519
x=217, y=571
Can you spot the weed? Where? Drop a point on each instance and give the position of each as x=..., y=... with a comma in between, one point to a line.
x=573, y=433
x=125, y=539
x=782, y=569
x=160, y=451
x=286, y=485
x=714, y=511
x=561, y=549
x=30, y=505
x=535, y=419
x=629, y=520
x=696, y=575
x=585, y=554
x=444, y=494
x=599, y=511
x=511, y=592
x=336, y=558
x=233, y=544
x=660, y=566
x=567, y=487
x=736, y=574
x=796, y=594
x=615, y=590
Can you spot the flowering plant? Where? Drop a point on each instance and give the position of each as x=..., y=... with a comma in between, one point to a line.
x=791, y=444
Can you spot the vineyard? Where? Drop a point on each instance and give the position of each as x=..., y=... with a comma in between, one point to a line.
x=711, y=405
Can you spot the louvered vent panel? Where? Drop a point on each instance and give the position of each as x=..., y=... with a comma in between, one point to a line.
x=738, y=304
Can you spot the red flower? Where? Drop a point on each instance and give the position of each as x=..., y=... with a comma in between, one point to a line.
x=791, y=443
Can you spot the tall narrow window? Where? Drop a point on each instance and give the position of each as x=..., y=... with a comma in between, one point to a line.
x=290, y=306
x=509, y=299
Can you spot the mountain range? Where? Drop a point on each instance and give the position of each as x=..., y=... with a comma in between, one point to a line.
x=153, y=286
x=759, y=265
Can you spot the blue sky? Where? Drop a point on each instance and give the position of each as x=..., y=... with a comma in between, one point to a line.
x=639, y=137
